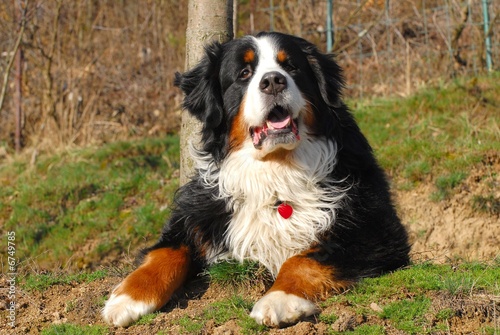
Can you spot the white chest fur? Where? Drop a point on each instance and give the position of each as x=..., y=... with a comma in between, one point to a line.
x=251, y=189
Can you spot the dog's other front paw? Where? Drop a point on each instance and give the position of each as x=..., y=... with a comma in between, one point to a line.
x=122, y=310
x=277, y=309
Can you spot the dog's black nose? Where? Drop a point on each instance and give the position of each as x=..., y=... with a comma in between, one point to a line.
x=272, y=83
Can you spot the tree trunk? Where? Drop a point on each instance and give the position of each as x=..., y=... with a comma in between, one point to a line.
x=208, y=20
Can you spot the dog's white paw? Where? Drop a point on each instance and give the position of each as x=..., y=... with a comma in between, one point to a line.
x=279, y=308
x=122, y=310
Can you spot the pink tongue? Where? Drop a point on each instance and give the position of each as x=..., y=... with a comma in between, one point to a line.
x=280, y=124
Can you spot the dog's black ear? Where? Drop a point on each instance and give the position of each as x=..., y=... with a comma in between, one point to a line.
x=327, y=72
x=203, y=95
x=353, y=146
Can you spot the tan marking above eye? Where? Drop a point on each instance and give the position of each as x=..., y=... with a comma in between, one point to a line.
x=249, y=56
x=281, y=56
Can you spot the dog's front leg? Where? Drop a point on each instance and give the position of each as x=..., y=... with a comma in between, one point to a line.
x=149, y=287
x=301, y=282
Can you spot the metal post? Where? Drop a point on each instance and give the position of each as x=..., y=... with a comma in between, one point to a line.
x=448, y=30
x=18, y=85
x=360, y=54
x=487, y=37
x=426, y=35
x=271, y=15
x=252, y=16
x=329, y=26
x=18, y=99
x=389, y=30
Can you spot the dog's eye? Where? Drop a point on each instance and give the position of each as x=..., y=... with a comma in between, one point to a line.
x=245, y=73
x=289, y=67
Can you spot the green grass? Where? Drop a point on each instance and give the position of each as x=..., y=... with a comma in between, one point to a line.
x=117, y=195
x=41, y=282
x=146, y=319
x=70, y=329
x=405, y=297
x=439, y=132
x=446, y=184
x=328, y=318
x=220, y=312
x=486, y=204
x=425, y=277
x=421, y=282
x=408, y=314
x=489, y=330
x=445, y=314
x=190, y=326
x=223, y=311
x=234, y=273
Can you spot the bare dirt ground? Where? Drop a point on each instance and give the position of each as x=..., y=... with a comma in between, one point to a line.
x=456, y=227
x=443, y=231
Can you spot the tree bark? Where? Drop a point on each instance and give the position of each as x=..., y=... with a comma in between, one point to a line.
x=208, y=20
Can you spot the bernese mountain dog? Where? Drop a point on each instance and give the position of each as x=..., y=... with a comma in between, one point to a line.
x=284, y=177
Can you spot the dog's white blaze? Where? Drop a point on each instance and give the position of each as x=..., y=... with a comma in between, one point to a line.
x=252, y=187
x=256, y=110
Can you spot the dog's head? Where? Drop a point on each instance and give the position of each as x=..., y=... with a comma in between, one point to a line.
x=268, y=92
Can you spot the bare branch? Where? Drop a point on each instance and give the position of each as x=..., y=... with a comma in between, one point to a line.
x=360, y=34
x=13, y=55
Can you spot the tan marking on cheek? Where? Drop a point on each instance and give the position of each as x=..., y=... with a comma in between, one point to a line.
x=307, y=278
x=249, y=56
x=281, y=56
x=308, y=118
x=239, y=132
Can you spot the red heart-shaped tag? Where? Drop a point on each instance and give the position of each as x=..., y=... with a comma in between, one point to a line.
x=285, y=210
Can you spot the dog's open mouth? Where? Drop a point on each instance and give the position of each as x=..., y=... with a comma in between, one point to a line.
x=279, y=127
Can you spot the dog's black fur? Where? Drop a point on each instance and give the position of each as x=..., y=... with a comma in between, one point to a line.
x=366, y=238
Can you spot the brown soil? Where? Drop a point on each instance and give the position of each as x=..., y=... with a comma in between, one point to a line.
x=78, y=304
x=465, y=226
x=461, y=227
